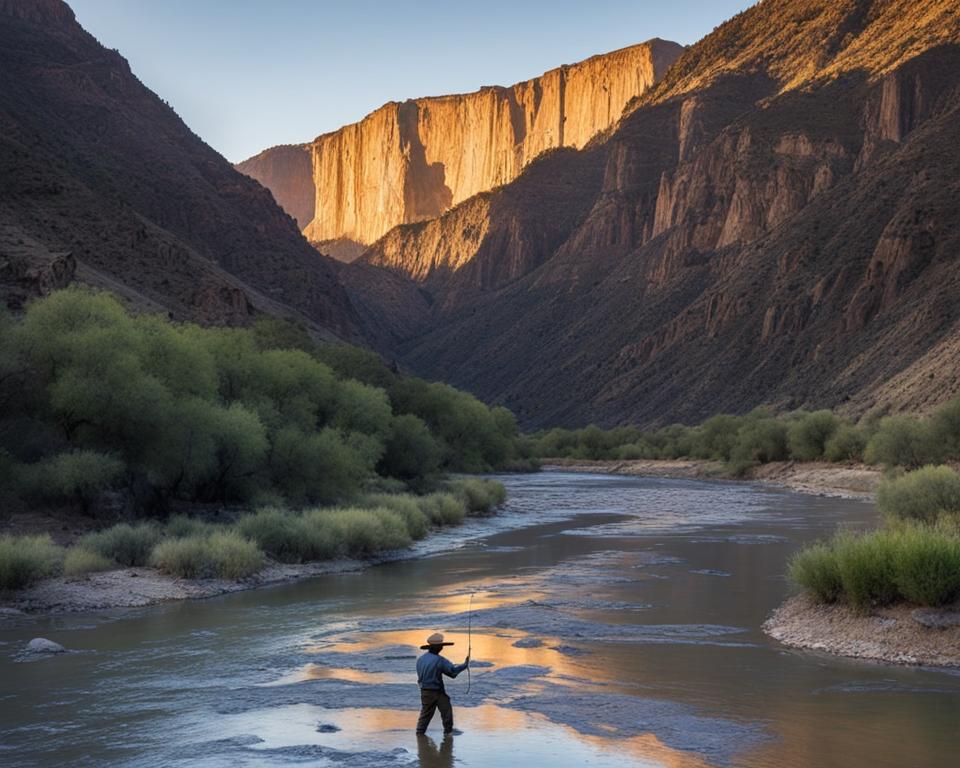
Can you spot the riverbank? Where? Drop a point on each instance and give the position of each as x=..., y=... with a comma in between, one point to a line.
x=140, y=587
x=899, y=634
x=849, y=480
x=190, y=558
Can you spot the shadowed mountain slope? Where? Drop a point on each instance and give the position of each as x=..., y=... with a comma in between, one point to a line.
x=101, y=181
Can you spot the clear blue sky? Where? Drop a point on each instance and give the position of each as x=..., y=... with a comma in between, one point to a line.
x=248, y=74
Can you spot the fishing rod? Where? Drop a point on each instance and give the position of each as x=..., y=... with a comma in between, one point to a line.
x=469, y=643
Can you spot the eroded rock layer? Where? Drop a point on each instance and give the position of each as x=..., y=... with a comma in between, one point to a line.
x=411, y=161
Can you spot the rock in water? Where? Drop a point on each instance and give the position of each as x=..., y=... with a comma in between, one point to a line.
x=42, y=645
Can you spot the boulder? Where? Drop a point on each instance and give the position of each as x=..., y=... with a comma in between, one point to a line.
x=40, y=645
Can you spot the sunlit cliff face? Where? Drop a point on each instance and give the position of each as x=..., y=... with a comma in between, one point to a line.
x=411, y=161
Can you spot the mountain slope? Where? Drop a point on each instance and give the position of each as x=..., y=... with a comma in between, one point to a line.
x=777, y=222
x=103, y=182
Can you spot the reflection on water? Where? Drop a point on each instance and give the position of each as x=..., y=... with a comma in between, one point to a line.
x=615, y=622
x=432, y=755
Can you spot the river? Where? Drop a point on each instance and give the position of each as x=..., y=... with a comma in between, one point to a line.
x=616, y=622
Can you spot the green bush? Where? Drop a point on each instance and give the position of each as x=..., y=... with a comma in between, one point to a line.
x=79, y=476
x=125, y=544
x=868, y=568
x=927, y=567
x=808, y=434
x=411, y=452
x=25, y=559
x=917, y=564
x=817, y=570
x=219, y=414
x=922, y=495
x=945, y=429
x=418, y=524
x=479, y=496
x=717, y=437
x=760, y=439
x=846, y=444
x=224, y=554
x=81, y=560
x=180, y=526
x=361, y=532
x=288, y=537
x=443, y=508
x=903, y=441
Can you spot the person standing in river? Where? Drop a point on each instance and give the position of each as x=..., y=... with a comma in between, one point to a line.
x=431, y=667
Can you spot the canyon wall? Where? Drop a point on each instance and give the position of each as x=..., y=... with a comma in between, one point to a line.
x=760, y=232
x=411, y=161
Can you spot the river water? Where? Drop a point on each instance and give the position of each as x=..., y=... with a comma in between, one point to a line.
x=616, y=622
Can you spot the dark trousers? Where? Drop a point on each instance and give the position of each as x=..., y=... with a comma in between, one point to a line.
x=430, y=702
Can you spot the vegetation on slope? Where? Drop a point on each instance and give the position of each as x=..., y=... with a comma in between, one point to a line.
x=98, y=401
x=187, y=547
x=762, y=436
x=914, y=557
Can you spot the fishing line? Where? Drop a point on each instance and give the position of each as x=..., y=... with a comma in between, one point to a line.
x=469, y=642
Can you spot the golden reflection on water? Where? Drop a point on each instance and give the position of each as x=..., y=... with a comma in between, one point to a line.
x=496, y=648
x=319, y=672
x=496, y=722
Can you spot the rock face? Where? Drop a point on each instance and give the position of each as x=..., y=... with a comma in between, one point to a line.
x=103, y=183
x=411, y=161
x=774, y=222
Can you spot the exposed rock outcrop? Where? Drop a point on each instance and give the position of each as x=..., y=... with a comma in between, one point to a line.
x=411, y=161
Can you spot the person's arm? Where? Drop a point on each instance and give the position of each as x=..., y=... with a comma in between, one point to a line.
x=452, y=670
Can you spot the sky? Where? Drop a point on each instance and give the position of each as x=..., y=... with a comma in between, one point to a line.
x=249, y=74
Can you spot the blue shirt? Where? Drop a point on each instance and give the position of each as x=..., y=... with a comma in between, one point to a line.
x=431, y=667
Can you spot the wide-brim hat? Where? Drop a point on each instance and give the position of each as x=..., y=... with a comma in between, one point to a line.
x=435, y=639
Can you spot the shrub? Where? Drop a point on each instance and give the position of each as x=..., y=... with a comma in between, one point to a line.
x=846, y=444
x=808, y=433
x=224, y=554
x=186, y=558
x=945, y=428
x=411, y=452
x=361, y=532
x=760, y=439
x=927, y=566
x=921, y=495
x=443, y=508
x=406, y=506
x=288, y=537
x=817, y=570
x=903, y=441
x=868, y=568
x=717, y=437
x=25, y=559
x=180, y=526
x=125, y=544
x=634, y=451
x=480, y=496
x=81, y=560
x=78, y=476
x=233, y=556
